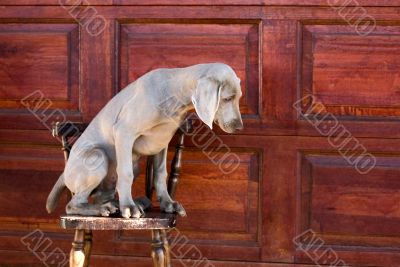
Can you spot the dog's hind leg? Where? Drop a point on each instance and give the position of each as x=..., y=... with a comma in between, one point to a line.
x=106, y=191
x=101, y=207
x=77, y=207
x=88, y=173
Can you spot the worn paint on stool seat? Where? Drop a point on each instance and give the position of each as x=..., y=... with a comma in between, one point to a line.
x=152, y=220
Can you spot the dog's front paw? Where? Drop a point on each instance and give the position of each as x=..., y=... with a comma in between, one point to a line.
x=171, y=207
x=128, y=211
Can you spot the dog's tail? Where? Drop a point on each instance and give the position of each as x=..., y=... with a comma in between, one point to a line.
x=55, y=194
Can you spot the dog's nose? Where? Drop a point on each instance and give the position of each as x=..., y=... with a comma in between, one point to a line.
x=238, y=125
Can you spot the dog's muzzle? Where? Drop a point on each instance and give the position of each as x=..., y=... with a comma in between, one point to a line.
x=234, y=125
x=237, y=125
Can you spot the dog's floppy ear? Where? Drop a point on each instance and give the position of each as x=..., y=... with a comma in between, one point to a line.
x=206, y=99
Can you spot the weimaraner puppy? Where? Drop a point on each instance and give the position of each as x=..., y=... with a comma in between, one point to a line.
x=138, y=121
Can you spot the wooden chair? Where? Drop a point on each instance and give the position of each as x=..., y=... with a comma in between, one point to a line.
x=154, y=221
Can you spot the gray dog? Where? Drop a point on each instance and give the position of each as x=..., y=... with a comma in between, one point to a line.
x=138, y=121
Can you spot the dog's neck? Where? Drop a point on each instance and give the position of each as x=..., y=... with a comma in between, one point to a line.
x=179, y=102
x=190, y=77
x=184, y=92
x=186, y=84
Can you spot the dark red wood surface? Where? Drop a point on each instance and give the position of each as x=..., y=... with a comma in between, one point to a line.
x=290, y=178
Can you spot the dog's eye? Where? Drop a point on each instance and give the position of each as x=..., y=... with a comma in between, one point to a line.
x=229, y=98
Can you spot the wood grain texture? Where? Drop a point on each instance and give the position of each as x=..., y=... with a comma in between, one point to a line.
x=39, y=69
x=45, y=55
x=25, y=258
x=207, y=2
x=290, y=177
x=344, y=70
x=349, y=205
x=341, y=206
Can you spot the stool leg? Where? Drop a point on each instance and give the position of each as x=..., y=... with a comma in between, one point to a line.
x=77, y=255
x=157, y=253
x=167, y=248
x=88, y=246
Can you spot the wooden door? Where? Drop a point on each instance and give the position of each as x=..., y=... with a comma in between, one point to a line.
x=318, y=176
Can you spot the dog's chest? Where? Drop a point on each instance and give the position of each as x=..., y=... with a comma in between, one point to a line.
x=153, y=141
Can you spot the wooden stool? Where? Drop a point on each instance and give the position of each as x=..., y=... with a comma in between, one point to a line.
x=156, y=222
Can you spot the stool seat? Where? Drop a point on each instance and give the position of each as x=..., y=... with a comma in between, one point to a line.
x=151, y=220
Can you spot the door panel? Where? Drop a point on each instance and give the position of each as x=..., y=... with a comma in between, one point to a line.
x=39, y=72
x=344, y=70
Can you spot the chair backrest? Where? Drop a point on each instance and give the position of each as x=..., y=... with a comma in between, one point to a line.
x=68, y=132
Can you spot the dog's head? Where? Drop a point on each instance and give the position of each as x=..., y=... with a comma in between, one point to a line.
x=216, y=98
